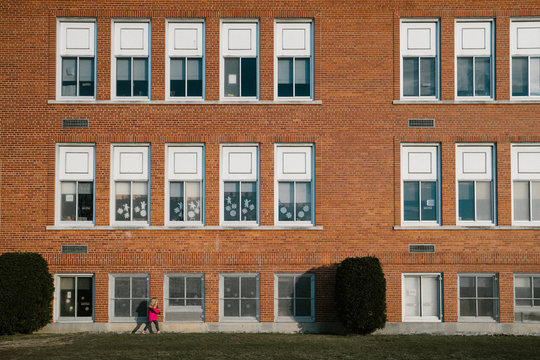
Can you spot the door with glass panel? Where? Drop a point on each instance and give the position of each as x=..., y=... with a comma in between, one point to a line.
x=422, y=297
x=76, y=298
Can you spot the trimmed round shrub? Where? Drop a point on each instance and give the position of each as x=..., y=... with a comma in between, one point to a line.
x=26, y=292
x=361, y=294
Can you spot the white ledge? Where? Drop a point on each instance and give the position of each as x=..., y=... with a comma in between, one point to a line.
x=464, y=102
x=130, y=228
x=183, y=102
x=455, y=227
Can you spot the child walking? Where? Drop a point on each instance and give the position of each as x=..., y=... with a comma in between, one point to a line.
x=153, y=312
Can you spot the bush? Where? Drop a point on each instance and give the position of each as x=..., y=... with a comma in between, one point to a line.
x=361, y=294
x=26, y=292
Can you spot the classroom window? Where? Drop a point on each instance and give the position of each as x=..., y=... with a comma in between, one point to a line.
x=75, y=297
x=526, y=184
x=184, y=297
x=239, y=297
x=478, y=297
x=527, y=297
x=294, y=297
x=422, y=297
x=128, y=296
x=525, y=53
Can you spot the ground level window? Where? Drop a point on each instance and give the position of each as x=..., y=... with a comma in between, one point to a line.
x=76, y=297
x=129, y=296
x=295, y=297
x=527, y=297
x=184, y=298
x=240, y=297
x=422, y=294
x=478, y=297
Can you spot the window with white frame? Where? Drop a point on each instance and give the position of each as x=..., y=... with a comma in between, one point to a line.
x=185, y=177
x=240, y=173
x=239, y=60
x=422, y=297
x=478, y=297
x=76, y=58
x=74, y=298
x=184, y=297
x=475, y=176
x=419, y=58
x=294, y=190
x=128, y=294
x=526, y=184
x=131, y=59
x=130, y=203
x=75, y=185
x=420, y=184
x=294, y=59
x=525, y=53
x=527, y=297
x=185, y=52
x=474, y=59
x=239, y=297
x=294, y=297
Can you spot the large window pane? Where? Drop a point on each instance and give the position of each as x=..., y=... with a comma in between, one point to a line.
x=482, y=76
x=286, y=201
x=487, y=307
x=249, y=307
x=520, y=76
x=139, y=308
x=232, y=77
x=69, y=76
x=249, y=287
x=231, y=287
x=193, y=287
x=302, y=77
x=140, y=77
x=123, y=77
x=521, y=200
x=285, y=77
x=430, y=296
x=249, y=201
x=140, y=201
x=178, y=77
x=68, y=201
x=122, y=308
x=86, y=201
x=466, y=200
x=86, y=77
x=194, y=77
x=465, y=76
x=84, y=296
x=67, y=296
x=429, y=204
x=410, y=76
x=303, y=201
x=249, y=76
x=176, y=287
x=535, y=76
x=411, y=202
x=427, y=77
x=467, y=286
x=285, y=307
x=483, y=200
x=122, y=287
x=303, y=287
x=176, y=205
x=139, y=287
x=535, y=194
x=231, y=307
x=193, y=201
x=486, y=287
x=285, y=286
x=303, y=307
x=523, y=288
x=467, y=307
x=412, y=296
x=231, y=195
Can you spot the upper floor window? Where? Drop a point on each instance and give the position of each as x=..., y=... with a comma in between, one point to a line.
x=294, y=60
x=474, y=59
x=475, y=175
x=420, y=187
x=75, y=185
x=131, y=59
x=419, y=59
x=239, y=60
x=294, y=190
x=76, y=58
x=525, y=52
x=185, y=60
x=526, y=184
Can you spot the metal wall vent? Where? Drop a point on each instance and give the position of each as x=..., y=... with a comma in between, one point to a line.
x=421, y=248
x=74, y=249
x=421, y=123
x=74, y=123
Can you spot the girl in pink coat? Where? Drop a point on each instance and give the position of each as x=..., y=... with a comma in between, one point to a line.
x=153, y=312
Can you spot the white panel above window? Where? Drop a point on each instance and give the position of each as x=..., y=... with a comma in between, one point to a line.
x=418, y=38
x=131, y=39
x=185, y=39
x=77, y=38
x=239, y=39
x=293, y=39
x=525, y=37
x=419, y=162
x=239, y=163
x=474, y=162
x=184, y=163
x=294, y=163
x=473, y=38
x=526, y=162
x=130, y=163
x=76, y=163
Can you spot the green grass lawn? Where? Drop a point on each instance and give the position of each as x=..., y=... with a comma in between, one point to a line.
x=266, y=346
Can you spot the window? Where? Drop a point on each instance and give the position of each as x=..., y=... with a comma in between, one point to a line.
x=76, y=59
x=474, y=59
x=128, y=294
x=75, y=185
x=129, y=186
x=525, y=52
x=131, y=60
x=294, y=60
x=294, y=297
x=185, y=176
x=240, y=172
x=526, y=184
x=239, y=297
x=527, y=297
x=74, y=297
x=475, y=169
x=478, y=297
x=420, y=184
x=419, y=59
x=184, y=297
x=294, y=185
x=422, y=297
x=185, y=52
x=239, y=60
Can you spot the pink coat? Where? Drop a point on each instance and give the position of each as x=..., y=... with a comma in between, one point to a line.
x=153, y=313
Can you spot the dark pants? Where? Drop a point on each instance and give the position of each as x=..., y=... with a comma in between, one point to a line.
x=149, y=325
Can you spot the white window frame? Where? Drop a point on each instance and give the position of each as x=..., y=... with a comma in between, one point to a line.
x=306, y=54
x=224, y=53
x=517, y=149
x=246, y=319
x=490, y=174
x=199, y=52
x=278, y=318
x=434, y=175
x=144, y=177
x=482, y=22
x=522, y=308
x=76, y=319
x=528, y=53
x=253, y=176
x=486, y=319
x=61, y=53
x=422, y=318
x=199, y=175
x=166, y=307
x=87, y=177
x=308, y=176
x=411, y=23
x=117, y=53
x=112, y=279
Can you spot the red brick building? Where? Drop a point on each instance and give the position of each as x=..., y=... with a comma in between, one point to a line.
x=224, y=156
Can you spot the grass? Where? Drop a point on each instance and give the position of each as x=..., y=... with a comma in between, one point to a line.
x=266, y=346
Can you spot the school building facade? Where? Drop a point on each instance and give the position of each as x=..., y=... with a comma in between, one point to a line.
x=225, y=156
